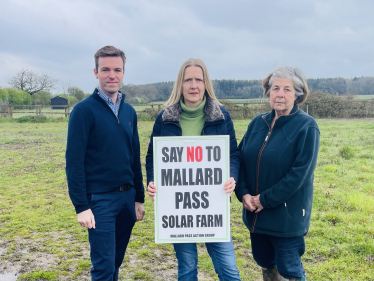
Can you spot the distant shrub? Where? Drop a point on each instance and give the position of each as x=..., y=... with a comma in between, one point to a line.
x=76, y=92
x=138, y=100
x=248, y=111
x=18, y=96
x=318, y=105
x=72, y=100
x=4, y=96
x=57, y=119
x=236, y=112
x=39, y=119
x=32, y=119
x=148, y=114
x=346, y=152
x=323, y=105
x=42, y=97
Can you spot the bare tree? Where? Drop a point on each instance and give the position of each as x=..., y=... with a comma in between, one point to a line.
x=32, y=82
x=64, y=87
x=76, y=92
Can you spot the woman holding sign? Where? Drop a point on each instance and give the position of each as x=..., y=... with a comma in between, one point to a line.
x=193, y=110
x=279, y=154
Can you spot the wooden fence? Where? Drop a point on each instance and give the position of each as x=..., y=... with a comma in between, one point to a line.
x=37, y=110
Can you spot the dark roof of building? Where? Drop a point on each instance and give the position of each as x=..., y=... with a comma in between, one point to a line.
x=59, y=98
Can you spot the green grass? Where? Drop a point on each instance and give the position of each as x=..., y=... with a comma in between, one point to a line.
x=40, y=274
x=365, y=97
x=39, y=232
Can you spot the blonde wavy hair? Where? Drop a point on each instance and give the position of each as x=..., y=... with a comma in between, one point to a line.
x=176, y=94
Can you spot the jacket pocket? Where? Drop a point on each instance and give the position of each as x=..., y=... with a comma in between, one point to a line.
x=273, y=220
x=247, y=218
x=89, y=198
x=295, y=206
x=93, y=199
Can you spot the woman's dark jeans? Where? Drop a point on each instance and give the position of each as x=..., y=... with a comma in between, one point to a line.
x=285, y=252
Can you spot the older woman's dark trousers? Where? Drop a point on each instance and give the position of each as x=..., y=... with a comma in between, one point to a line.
x=285, y=252
x=115, y=217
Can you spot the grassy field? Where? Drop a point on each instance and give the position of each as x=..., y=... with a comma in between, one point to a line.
x=365, y=97
x=40, y=238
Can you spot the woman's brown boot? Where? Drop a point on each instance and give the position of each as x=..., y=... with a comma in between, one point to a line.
x=272, y=274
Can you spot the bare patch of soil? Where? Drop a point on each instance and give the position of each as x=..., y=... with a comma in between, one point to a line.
x=21, y=256
x=28, y=255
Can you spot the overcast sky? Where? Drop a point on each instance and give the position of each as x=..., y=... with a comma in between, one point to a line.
x=236, y=39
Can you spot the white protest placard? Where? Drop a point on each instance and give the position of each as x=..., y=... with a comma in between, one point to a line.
x=190, y=203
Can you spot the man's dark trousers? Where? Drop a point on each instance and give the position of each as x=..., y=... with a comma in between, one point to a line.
x=114, y=214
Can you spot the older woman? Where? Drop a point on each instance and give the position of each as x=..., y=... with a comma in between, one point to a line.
x=278, y=157
x=193, y=110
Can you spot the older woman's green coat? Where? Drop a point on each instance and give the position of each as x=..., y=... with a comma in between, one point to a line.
x=279, y=164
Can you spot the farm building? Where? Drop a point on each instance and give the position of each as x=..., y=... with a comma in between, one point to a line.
x=58, y=101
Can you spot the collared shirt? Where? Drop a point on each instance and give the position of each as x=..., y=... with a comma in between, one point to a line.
x=109, y=101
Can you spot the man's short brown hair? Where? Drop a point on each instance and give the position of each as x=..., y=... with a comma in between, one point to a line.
x=109, y=51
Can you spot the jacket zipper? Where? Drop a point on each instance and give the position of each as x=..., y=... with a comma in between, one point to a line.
x=117, y=112
x=119, y=108
x=116, y=116
x=258, y=169
x=112, y=110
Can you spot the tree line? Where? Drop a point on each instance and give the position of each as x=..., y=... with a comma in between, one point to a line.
x=21, y=97
x=249, y=89
x=28, y=87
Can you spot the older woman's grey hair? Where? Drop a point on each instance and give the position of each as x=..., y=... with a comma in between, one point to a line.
x=293, y=73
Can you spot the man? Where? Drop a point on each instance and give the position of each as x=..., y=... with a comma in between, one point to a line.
x=103, y=166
